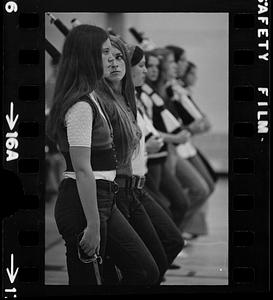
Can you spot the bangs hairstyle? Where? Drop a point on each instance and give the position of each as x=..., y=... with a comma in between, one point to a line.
x=129, y=132
x=79, y=70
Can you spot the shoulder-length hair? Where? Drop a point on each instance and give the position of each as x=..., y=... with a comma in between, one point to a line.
x=118, y=114
x=79, y=70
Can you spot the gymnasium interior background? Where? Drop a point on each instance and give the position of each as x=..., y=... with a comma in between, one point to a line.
x=204, y=36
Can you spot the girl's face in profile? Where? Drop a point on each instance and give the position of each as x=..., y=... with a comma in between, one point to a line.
x=139, y=73
x=170, y=67
x=107, y=57
x=152, y=68
x=117, y=68
x=182, y=65
x=191, y=77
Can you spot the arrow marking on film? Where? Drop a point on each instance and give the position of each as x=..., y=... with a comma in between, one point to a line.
x=10, y=119
x=10, y=272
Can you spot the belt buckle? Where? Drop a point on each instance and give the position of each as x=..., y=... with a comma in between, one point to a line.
x=115, y=187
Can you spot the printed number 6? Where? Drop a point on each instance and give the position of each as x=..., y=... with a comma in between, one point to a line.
x=11, y=6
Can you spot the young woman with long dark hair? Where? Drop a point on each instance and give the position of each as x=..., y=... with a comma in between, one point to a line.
x=117, y=92
x=85, y=212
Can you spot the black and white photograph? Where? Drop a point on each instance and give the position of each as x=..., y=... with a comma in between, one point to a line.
x=136, y=176
x=136, y=148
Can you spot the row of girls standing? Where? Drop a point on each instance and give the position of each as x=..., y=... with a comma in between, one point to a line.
x=167, y=99
x=102, y=207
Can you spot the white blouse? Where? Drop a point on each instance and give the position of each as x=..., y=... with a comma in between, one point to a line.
x=139, y=159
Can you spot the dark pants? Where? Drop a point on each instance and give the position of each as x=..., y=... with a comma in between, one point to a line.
x=197, y=223
x=198, y=189
x=166, y=229
x=197, y=162
x=154, y=191
x=126, y=248
x=171, y=188
x=135, y=213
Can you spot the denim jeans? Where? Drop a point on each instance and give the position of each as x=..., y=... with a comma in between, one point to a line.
x=134, y=211
x=198, y=189
x=197, y=224
x=197, y=162
x=169, y=185
x=153, y=188
x=126, y=248
x=166, y=229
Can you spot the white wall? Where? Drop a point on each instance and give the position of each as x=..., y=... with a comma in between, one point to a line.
x=204, y=36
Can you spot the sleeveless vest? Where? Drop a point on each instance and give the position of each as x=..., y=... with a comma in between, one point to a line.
x=103, y=154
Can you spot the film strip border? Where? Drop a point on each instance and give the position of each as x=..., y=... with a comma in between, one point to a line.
x=24, y=158
x=248, y=146
x=23, y=149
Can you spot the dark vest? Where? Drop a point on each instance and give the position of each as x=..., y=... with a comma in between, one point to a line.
x=103, y=154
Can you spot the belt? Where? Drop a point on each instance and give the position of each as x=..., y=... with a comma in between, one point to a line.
x=130, y=182
x=110, y=186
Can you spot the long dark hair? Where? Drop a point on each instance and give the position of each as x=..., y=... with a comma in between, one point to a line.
x=79, y=70
x=129, y=132
x=128, y=87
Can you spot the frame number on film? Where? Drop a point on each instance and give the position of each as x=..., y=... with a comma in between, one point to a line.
x=11, y=6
